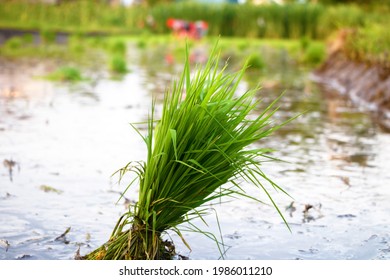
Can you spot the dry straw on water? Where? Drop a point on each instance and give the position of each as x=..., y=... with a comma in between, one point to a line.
x=197, y=152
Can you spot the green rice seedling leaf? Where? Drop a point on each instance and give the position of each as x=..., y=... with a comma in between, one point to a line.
x=273, y=184
x=178, y=232
x=190, y=166
x=268, y=194
x=210, y=235
x=139, y=133
x=128, y=186
x=173, y=136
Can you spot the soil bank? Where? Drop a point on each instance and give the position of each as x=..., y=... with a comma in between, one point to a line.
x=367, y=85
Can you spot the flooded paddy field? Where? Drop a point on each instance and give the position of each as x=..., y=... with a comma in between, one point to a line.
x=61, y=142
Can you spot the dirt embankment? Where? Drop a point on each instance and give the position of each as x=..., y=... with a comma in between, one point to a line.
x=367, y=85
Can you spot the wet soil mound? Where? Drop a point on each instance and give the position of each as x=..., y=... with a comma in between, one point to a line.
x=367, y=85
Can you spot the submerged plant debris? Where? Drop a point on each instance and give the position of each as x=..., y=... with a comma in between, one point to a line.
x=62, y=237
x=10, y=165
x=4, y=243
x=48, y=189
x=197, y=152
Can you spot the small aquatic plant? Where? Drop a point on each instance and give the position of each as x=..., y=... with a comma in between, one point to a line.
x=14, y=43
x=142, y=43
x=304, y=42
x=256, y=61
x=197, y=152
x=48, y=36
x=66, y=74
x=118, y=47
x=118, y=64
x=315, y=53
x=76, y=44
x=28, y=38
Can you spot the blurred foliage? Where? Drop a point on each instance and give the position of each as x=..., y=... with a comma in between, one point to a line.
x=256, y=61
x=314, y=53
x=304, y=22
x=118, y=64
x=71, y=16
x=263, y=21
x=370, y=44
x=270, y=21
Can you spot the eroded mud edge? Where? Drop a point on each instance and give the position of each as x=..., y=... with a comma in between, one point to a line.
x=368, y=86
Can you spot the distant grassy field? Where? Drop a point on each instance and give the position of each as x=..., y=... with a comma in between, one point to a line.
x=81, y=48
x=265, y=21
x=276, y=23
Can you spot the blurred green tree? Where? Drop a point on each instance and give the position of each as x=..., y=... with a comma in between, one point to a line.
x=360, y=2
x=155, y=2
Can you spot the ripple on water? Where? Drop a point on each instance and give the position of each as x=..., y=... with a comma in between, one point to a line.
x=73, y=138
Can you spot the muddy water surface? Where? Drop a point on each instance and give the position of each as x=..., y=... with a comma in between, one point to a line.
x=60, y=143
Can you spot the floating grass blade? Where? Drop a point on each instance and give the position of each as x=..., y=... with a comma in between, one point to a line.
x=197, y=152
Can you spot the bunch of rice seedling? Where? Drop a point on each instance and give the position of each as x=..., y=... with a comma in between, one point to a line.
x=197, y=152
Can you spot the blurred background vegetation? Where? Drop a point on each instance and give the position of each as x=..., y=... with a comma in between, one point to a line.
x=288, y=19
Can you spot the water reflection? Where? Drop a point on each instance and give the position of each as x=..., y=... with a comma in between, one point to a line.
x=334, y=166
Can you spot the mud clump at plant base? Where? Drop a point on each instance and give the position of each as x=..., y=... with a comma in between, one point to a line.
x=196, y=153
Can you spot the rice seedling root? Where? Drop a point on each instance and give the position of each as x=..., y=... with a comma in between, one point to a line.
x=135, y=243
